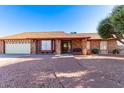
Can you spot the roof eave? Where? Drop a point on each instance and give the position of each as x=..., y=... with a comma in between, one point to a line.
x=62, y=38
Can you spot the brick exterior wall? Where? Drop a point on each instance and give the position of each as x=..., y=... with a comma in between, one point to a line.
x=58, y=46
x=76, y=44
x=84, y=46
x=36, y=45
x=80, y=44
x=95, y=44
x=112, y=44
x=2, y=47
x=33, y=47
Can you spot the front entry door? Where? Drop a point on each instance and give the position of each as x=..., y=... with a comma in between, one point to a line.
x=66, y=46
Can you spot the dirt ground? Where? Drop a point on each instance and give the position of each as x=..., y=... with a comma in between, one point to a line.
x=49, y=71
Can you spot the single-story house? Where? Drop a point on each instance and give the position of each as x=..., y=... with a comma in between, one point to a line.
x=54, y=42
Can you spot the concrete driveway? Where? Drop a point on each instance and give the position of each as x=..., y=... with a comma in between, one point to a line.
x=49, y=71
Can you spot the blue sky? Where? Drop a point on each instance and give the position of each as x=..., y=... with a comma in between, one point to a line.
x=83, y=18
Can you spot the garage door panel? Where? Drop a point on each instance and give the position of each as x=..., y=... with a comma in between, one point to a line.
x=17, y=48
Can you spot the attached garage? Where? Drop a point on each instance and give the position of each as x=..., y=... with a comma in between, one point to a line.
x=17, y=48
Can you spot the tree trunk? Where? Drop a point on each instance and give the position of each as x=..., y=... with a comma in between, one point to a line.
x=121, y=41
x=119, y=38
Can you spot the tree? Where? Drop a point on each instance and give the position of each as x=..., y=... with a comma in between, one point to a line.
x=105, y=29
x=113, y=26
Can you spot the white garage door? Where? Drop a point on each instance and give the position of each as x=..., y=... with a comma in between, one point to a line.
x=17, y=48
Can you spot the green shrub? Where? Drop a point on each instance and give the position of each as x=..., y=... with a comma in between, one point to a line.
x=95, y=51
x=115, y=51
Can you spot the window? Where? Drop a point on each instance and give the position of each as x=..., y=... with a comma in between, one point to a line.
x=46, y=45
x=103, y=45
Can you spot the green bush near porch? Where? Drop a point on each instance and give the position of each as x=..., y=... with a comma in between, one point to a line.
x=95, y=51
x=115, y=51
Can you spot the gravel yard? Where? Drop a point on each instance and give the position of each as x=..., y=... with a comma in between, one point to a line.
x=48, y=71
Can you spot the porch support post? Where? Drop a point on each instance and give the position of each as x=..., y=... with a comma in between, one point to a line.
x=58, y=46
x=84, y=46
x=33, y=46
x=2, y=47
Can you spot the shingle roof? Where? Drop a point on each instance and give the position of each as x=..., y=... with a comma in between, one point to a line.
x=44, y=35
x=51, y=35
x=91, y=35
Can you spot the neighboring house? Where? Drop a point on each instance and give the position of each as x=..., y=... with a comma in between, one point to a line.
x=55, y=42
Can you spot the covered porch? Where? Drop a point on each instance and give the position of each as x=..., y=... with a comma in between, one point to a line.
x=71, y=46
